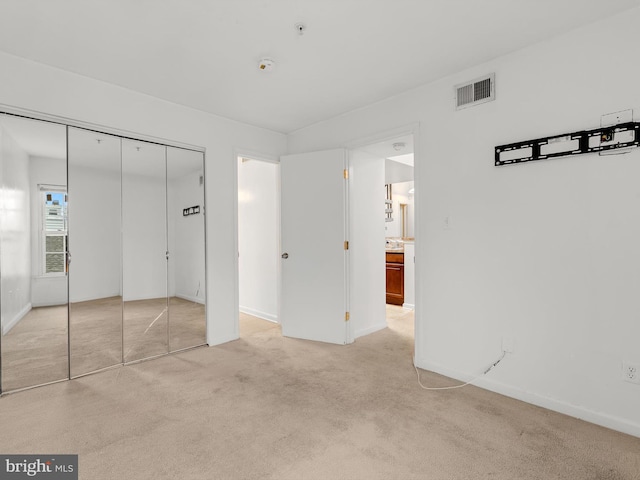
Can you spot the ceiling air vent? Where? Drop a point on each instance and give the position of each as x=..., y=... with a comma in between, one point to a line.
x=478, y=91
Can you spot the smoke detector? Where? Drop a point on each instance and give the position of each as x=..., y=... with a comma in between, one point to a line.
x=266, y=65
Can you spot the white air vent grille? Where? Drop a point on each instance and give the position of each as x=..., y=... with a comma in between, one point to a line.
x=478, y=91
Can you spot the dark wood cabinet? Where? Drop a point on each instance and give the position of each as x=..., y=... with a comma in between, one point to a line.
x=395, y=278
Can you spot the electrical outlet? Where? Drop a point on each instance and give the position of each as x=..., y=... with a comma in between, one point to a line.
x=630, y=372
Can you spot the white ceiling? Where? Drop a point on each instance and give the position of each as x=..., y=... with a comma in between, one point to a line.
x=205, y=53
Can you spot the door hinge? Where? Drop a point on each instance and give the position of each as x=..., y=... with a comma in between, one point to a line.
x=346, y=316
x=346, y=173
x=346, y=244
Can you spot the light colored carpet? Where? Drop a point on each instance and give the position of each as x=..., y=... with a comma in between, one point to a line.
x=268, y=407
x=35, y=350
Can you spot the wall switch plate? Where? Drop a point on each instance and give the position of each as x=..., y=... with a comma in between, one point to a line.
x=615, y=118
x=631, y=372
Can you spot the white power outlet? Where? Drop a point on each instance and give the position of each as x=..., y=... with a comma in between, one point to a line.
x=630, y=372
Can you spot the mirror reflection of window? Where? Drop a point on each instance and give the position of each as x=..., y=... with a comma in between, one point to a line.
x=54, y=230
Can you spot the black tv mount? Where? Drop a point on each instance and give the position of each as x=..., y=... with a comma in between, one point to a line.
x=614, y=137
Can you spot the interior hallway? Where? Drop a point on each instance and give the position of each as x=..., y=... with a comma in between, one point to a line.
x=271, y=407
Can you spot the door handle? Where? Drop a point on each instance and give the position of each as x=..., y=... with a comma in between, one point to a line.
x=285, y=255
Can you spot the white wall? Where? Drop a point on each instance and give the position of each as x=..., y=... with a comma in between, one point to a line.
x=186, y=239
x=94, y=230
x=258, y=237
x=144, y=237
x=41, y=88
x=546, y=252
x=15, y=241
x=396, y=172
x=45, y=290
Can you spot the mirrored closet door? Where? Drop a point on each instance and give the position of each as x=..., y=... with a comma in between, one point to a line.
x=95, y=269
x=144, y=242
x=33, y=253
x=185, y=200
x=102, y=249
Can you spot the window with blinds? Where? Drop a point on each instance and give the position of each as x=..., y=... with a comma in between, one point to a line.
x=54, y=230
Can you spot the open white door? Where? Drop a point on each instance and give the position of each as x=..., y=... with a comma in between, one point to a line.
x=314, y=259
x=367, y=237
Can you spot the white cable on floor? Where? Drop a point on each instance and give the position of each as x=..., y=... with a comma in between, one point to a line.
x=464, y=384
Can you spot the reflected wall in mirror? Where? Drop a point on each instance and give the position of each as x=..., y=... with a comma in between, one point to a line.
x=33, y=249
x=144, y=247
x=95, y=275
x=185, y=183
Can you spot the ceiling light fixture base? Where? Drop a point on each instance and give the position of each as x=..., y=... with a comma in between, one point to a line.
x=266, y=65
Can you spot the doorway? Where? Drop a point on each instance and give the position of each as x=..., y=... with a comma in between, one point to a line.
x=383, y=173
x=258, y=243
x=333, y=242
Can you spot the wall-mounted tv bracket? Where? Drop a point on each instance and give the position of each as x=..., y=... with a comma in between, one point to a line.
x=623, y=135
x=190, y=211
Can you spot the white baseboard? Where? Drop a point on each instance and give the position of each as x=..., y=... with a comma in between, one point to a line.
x=259, y=314
x=38, y=304
x=93, y=297
x=141, y=297
x=6, y=328
x=190, y=298
x=410, y=306
x=369, y=330
x=576, y=411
